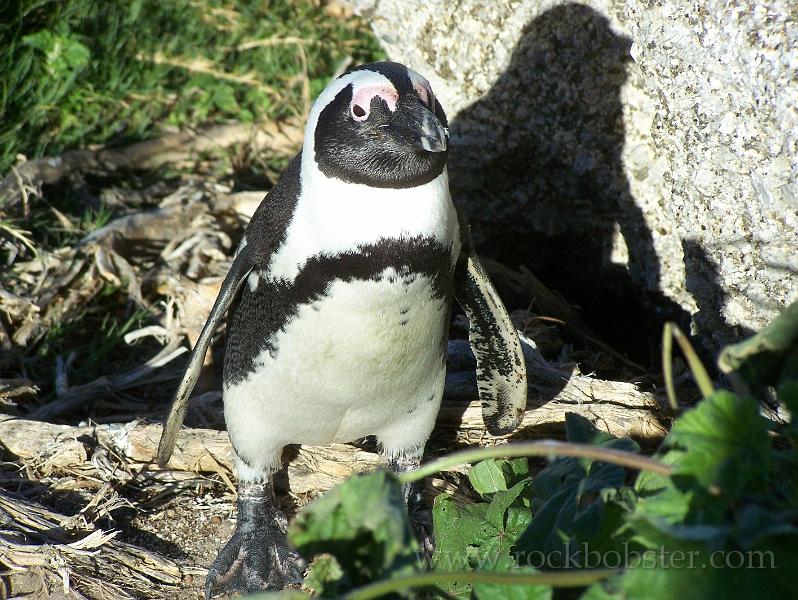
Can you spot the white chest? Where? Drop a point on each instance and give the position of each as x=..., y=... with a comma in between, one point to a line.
x=332, y=217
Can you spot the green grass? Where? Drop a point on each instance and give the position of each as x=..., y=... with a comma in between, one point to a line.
x=75, y=72
x=96, y=334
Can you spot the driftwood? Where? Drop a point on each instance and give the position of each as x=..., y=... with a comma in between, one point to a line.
x=616, y=407
x=619, y=408
x=58, y=448
x=283, y=138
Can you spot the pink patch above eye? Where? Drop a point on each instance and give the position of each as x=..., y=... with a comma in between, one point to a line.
x=361, y=101
x=423, y=88
x=425, y=93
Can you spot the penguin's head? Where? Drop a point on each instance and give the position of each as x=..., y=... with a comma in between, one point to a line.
x=379, y=125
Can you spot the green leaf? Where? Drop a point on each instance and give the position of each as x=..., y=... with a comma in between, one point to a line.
x=572, y=500
x=677, y=575
x=494, y=591
x=363, y=524
x=518, y=519
x=501, y=502
x=458, y=527
x=759, y=360
x=65, y=56
x=515, y=470
x=757, y=524
x=460, y=531
x=325, y=576
x=723, y=442
x=486, y=477
x=224, y=98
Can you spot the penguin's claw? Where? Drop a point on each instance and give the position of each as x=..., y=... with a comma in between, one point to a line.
x=255, y=561
x=421, y=520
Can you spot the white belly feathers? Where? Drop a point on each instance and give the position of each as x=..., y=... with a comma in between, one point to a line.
x=365, y=358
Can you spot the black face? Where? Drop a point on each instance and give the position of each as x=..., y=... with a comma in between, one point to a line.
x=379, y=147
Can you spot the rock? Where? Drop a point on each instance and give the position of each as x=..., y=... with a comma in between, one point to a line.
x=628, y=148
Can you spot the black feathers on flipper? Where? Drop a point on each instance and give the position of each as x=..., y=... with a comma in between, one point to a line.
x=264, y=312
x=227, y=294
x=268, y=227
x=501, y=371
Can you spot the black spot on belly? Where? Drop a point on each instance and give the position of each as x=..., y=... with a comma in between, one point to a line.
x=403, y=322
x=260, y=315
x=404, y=311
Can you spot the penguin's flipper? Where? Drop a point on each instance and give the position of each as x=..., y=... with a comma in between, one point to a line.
x=240, y=269
x=501, y=371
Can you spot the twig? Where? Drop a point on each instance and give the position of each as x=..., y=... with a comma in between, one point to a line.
x=61, y=378
x=274, y=41
x=556, y=306
x=23, y=192
x=282, y=138
x=83, y=395
x=204, y=66
x=35, y=539
x=540, y=448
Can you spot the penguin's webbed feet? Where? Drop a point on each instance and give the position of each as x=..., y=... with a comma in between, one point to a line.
x=421, y=521
x=255, y=561
x=258, y=557
x=418, y=513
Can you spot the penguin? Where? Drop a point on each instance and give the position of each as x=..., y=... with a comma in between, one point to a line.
x=338, y=304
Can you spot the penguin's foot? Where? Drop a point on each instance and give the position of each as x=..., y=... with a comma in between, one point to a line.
x=419, y=515
x=421, y=520
x=255, y=561
x=258, y=557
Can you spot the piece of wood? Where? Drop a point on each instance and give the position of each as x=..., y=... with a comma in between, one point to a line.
x=619, y=408
x=283, y=138
x=53, y=448
x=616, y=407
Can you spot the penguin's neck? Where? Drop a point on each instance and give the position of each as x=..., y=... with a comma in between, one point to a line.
x=333, y=216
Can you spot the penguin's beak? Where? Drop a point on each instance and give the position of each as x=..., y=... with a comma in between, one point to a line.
x=418, y=126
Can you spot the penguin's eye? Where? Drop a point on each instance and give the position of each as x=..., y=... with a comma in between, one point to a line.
x=360, y=105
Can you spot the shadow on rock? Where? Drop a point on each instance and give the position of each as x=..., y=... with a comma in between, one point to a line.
x=536, y=163
x=703, y=282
